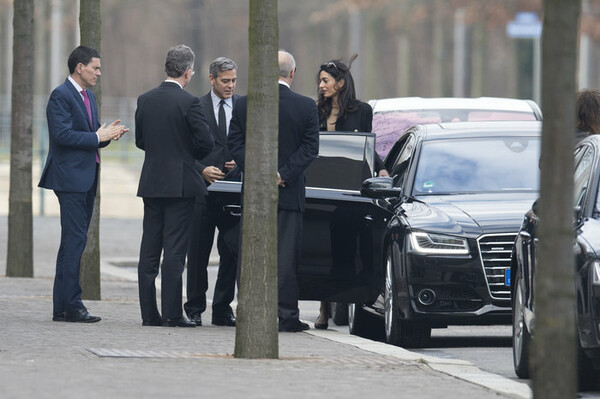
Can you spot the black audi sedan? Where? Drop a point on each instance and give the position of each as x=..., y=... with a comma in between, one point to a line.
x=455, y=201
x=587, y=269
x=425, y=248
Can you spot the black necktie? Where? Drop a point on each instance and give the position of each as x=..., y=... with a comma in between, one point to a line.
x=222, y=120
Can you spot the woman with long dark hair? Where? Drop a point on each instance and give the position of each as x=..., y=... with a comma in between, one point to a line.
x=340, y=110
x=587, y=107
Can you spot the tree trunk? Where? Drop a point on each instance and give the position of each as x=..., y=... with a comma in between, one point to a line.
x=19, y=257
x=554, y=353
x=89, y=23
x=256, y=324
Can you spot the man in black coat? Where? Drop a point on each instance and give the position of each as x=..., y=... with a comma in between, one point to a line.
x=171, y=128
x=298, y=146
x=218, y=106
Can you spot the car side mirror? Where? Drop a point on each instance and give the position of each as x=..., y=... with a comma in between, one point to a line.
x=380, y=188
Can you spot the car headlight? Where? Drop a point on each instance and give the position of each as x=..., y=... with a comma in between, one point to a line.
x=437, y=244
x=596, y=272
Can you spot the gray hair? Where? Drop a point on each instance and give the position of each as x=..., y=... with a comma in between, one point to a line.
x=180, y=58
x=221, y=64
x=287, y=63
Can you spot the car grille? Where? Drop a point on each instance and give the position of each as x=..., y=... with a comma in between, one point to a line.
x=495, y=251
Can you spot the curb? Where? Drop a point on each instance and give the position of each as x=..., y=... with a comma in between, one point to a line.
x=461, y=369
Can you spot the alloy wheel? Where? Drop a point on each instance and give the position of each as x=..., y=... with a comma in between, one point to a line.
x=518, y=322
x=388, y=298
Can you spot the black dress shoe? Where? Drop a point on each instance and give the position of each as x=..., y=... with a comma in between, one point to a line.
x=226, y=319
x=81, y=316
x=179, y=322
x=58, y=316
x=293, y=326
x=196, y=318
x=154, y=323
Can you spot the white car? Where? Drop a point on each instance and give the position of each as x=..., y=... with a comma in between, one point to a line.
x=392, y=116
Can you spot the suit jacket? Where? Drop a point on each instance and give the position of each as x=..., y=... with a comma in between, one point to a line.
x=71, y=163
x=171, y=128
x=298, y=143
x=360, y=120
x=220, y=153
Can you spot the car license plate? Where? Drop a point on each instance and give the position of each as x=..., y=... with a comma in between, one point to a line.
x=507, y=277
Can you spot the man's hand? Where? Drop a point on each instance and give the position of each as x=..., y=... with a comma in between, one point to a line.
x=280, y=182
x=114, y=131
x=211, y=174
x=230, y=165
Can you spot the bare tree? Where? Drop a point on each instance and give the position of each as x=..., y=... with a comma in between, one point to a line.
x=19, y=259
x=554, y=356
x=89, y=25
x=256, y=324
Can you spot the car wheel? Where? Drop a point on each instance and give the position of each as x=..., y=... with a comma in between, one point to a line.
x=405, y=333
x=520, y=335
x=339, y=313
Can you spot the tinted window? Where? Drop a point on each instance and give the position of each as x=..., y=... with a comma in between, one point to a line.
x=478, y=165
x=344, y=161
x=400, y=169
x=388, y=126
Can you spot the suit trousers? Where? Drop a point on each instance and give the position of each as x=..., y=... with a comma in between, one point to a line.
x=75, y=214
x=201, y=242
x=166, y=228
x=289, y=242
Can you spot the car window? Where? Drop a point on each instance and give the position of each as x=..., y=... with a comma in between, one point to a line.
x=499, y=116
x=344, y=161
x=477, y=165
x=581, y=177
x=399, y=170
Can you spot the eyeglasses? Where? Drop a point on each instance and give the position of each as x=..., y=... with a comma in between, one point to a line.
x=330, y=64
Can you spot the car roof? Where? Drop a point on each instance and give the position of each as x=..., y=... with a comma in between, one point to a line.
x=481, y=103
x=438, y=131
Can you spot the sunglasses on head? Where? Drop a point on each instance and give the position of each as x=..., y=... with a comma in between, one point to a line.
x=330, y=64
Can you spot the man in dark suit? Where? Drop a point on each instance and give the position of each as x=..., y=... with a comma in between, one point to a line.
x=298, y=146
x=218, y=105
x=171, y=128
x=71, y=170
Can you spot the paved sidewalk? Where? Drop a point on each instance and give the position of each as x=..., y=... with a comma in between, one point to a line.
x=118, y=358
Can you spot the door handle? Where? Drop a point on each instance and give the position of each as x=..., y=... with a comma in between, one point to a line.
x=233, y=210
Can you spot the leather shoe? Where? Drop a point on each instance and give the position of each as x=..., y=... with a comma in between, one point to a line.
x=226, y=319
x=154, y=323
x=293, y=326
x=81, y=316
x=196, y=318
x=179, y=322
x=58, y=316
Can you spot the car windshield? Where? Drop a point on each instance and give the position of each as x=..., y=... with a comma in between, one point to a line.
x=388, y=126
x=478, y=166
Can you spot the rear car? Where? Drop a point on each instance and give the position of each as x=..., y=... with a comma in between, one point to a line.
x=392, y=116
x=586, y=250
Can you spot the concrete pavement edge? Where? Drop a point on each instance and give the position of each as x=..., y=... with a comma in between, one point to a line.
x=460, y=369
